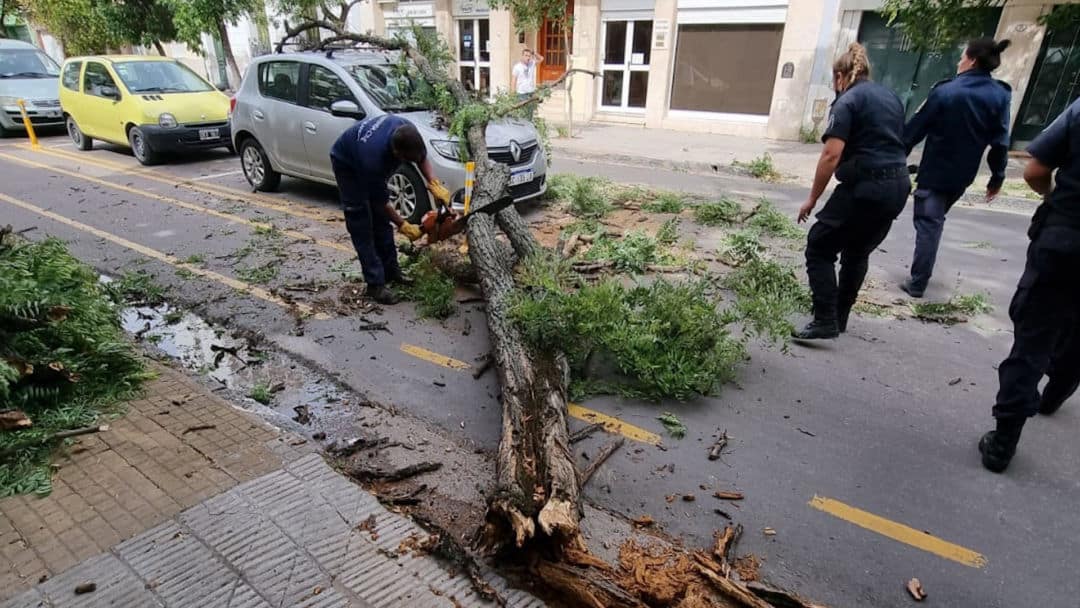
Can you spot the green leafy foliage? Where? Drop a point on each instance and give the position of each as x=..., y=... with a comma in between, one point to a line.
x=137, y=287
x=668, y=232
x=631, y=253
x=258, y=274
x=766, y=294
x=809, y=135
x=431, y=289
x=937, y=25
x=742, y=246
x=724, y=211
x=957, y=310
x=193, y=18
x=771, y=221
x=672, y=424
x=588, y=198
x=64, y=360
x=761, y=168
x=665, y=202
x=260, y=392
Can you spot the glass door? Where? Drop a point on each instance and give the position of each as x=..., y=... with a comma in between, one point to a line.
x=1054, y=84
x=474, y=57
x=625, y=64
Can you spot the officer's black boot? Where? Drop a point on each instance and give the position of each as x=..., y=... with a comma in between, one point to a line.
x=910, y=290
x=999, y=446
x=818, y=329
x=382, y=294
x=399, y=278
x=1055, y=394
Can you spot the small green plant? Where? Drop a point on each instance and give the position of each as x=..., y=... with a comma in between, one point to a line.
x=137, y=288
x=261, y=392
x=724, y=211
x=562, y=131
x=631, y=253
x=668, y=233
x=630, y=194
x=348, y=270
x=766, y=293
x=809, y=135
x=872, y=309
x=771, y=221
x=267, y=230
x=672, y=424
x=185, y=273
x=665, y=202
x=431, y=289
x=742, y=246
x=173, y=317
x=588, y=198
x=154, y=338
x=260, y=274
x=195, y=259
x=957, y=310
x=761, y=168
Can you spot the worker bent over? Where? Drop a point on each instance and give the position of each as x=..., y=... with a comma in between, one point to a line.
x=364, y=158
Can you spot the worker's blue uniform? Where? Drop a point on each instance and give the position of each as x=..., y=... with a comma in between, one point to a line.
x=874, y=185
x=363, y=162
x=961, y=117
x=1045, y=310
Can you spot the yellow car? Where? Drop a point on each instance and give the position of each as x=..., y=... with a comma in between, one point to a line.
x=154, y=105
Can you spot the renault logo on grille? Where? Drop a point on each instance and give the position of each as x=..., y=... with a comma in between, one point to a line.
x=515, y=151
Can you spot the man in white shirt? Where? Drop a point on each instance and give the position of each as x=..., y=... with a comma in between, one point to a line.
x=523, y=77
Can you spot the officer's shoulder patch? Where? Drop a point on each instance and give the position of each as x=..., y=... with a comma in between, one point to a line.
x=1008, y=87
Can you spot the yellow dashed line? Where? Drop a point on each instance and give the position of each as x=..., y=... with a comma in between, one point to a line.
x=899, y=532
x=436, y=358
x=293, y=234
x=258, y=292
x=613, y=424
x=265, y=202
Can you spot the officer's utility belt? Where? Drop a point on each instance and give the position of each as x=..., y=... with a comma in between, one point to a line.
x=884, y=172
x=854, y=171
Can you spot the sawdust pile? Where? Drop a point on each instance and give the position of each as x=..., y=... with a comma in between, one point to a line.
x=664, y=576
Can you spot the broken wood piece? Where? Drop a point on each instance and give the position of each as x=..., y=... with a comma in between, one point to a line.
x=409, y=498
x=87, y=587
x=200, y=427
x=726, y=495
x=361, y=444
x=14, y=419
x=412, y=470
x=604, y=453
x=725, y=541
x=731, y=589
x=778, y=598
x=571, y=245
x=587, y=267
x=581, y=434
x=644, y=521
x=376, y=326
x=717, y=449
x=915, y=588
x=769, y=531
x=303, y=415
x=485, y=365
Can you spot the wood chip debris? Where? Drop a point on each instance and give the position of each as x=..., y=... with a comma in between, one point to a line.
x=14, y=419
x=728, y=495
x=644, y=522
x=955, y=381
x=769, y=531
x=87, y=587
x=717, y=449
x=914, y=587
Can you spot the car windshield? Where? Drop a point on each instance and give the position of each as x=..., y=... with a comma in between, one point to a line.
x=388, y=87
x=27, y=63
x=160, y=77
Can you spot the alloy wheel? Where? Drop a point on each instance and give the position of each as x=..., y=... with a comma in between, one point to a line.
x=402, y=194
x=254, y=170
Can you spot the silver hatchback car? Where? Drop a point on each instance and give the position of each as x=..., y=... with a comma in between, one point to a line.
x=292, y=107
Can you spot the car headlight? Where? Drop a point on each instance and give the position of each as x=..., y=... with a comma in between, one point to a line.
x=166, y=120
x=447, y=149
x=9, y=102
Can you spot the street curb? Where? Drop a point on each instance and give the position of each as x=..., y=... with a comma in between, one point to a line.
x=697, y=167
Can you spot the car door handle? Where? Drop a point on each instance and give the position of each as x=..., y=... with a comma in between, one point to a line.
x=258, y=115
x=310, y=127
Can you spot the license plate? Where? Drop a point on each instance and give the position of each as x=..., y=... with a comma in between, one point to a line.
x=521, y=177
x=208, y=134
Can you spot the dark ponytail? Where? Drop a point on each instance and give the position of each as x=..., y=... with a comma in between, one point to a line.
x=986, y=52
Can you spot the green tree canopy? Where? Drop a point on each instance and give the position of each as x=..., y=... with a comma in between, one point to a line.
x=935, y=25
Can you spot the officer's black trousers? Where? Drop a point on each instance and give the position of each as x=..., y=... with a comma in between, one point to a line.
x=1044, y=311
x=851, y=227
x=368, y=225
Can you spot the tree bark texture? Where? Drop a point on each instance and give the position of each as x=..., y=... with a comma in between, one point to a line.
x=230, y=60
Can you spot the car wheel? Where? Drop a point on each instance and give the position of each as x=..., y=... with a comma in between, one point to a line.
x=141, y=147
x=408, y=194
x=80, y=139
x=256, y=166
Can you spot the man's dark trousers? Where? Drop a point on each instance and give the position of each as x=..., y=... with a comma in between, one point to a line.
x=1044, y=312
x=929, y=219
x=369, y=227
x=855, y=220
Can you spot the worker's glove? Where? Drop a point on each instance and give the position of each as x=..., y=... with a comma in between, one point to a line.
x=439, y=191
x=412, y=231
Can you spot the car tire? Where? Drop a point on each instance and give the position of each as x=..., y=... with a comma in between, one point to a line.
x=409, y=194
x=141, y=147
x=256, y=166
x=81, y=140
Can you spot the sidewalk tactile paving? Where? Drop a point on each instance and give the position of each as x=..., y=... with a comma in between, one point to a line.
x=116, y=586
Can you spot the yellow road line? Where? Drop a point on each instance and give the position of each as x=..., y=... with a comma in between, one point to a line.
x=295, y=235
x=899, y=532
x=613, y=424
x=265, y=202
x=258, y=292
x=436, y=358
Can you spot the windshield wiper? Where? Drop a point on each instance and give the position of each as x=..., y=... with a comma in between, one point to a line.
x=29, y=75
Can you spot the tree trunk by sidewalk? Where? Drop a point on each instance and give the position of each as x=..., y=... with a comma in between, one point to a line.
x=230, y=60
x=160, y=48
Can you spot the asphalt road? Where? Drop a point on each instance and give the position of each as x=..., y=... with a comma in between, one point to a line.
x=859, y=454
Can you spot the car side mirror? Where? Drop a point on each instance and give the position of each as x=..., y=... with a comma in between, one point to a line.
x=110, y=92
x=344, y=108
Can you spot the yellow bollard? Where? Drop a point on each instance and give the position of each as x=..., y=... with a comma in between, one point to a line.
x=470, y=167
x=29, y=126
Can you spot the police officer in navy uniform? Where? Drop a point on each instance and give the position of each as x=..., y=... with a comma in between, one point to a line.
x=864, y=147
x=1045, y=310
x=364, y=158
x=961, y=117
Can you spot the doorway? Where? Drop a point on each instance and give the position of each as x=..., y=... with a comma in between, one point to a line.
x=474, y=56
x=626, y=47
x=551, y=44
x=1055, y=83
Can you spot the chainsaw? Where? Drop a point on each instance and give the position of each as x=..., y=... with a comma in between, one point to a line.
x=443, y=223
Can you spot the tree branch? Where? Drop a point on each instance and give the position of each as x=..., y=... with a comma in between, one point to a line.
x=537, y=95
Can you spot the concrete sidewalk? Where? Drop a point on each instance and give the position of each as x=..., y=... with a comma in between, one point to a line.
x=187, y=501
x=704, y=152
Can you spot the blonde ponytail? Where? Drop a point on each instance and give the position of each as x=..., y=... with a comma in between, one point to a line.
x=853, y=65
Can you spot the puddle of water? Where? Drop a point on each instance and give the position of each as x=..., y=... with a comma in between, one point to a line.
x=236, y=367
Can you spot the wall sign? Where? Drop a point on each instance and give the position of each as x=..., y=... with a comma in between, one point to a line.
x=661, y=32
x=788, y=71
x=470, y=8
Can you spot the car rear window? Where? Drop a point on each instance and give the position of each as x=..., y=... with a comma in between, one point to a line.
x=71, y=75
x=279, y=79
